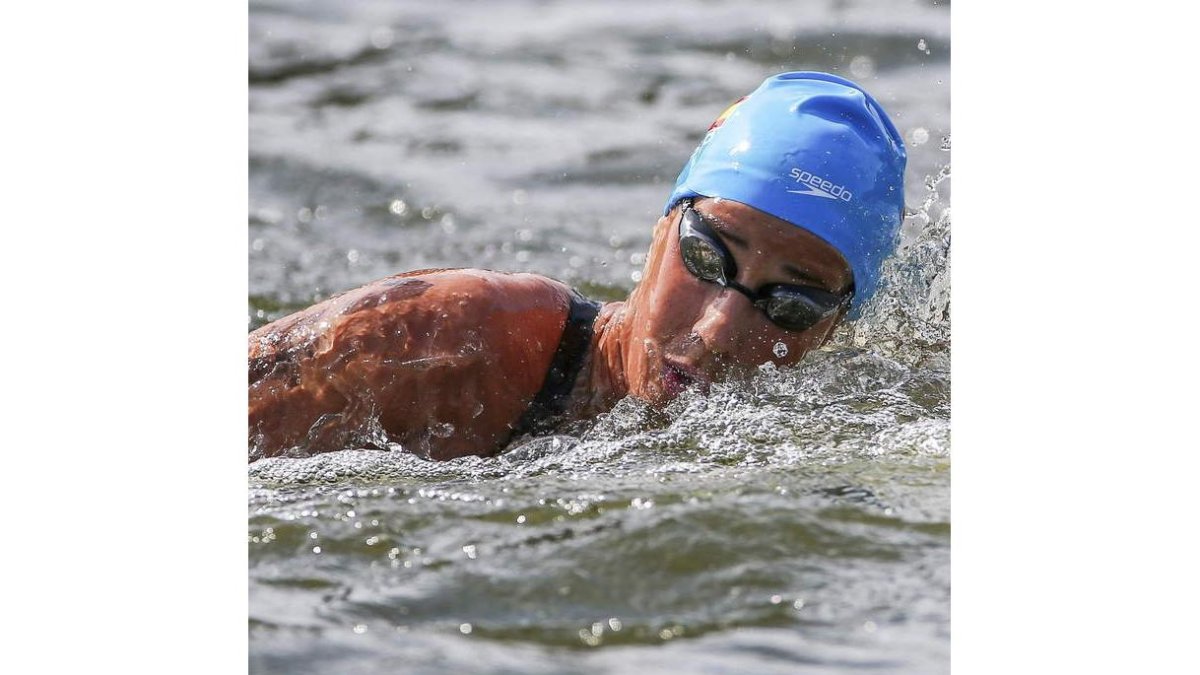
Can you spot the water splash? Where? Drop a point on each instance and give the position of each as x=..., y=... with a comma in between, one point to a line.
x=909, y=318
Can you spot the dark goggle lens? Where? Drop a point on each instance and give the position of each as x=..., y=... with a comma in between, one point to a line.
x=795, y=309
x=702, y=259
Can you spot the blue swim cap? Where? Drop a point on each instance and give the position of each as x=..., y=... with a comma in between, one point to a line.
x=817, y=151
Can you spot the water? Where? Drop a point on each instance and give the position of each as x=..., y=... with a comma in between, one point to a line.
x=800, y=523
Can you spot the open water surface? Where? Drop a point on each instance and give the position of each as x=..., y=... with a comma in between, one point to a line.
x=797, y=524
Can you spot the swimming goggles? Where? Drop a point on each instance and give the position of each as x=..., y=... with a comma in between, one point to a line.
x=792, y=307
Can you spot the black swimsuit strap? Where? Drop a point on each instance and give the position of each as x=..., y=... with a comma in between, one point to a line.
x=551, y=401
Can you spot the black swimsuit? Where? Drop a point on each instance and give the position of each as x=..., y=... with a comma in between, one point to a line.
x=550, y=403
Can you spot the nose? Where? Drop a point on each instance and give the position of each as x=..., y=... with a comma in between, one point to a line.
x=718, y=326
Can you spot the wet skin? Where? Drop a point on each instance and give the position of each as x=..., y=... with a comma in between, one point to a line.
x=676, y=330
x=445, y=362
x=441, y=362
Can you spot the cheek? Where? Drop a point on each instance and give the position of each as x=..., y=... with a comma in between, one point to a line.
x=680, y=309
x=666, y=308
x=786, y=349
x=671, y=298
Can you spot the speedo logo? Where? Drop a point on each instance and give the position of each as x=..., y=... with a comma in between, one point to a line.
x=819, y=187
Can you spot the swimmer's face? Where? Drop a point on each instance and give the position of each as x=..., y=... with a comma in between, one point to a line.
x=687, y=331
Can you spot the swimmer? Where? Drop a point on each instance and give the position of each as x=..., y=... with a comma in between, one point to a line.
x=775, y=232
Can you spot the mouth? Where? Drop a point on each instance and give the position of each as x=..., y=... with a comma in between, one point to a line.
x=679, y=376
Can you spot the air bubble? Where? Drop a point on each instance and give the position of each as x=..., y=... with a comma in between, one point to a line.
x=780, y=350
x=862, y=66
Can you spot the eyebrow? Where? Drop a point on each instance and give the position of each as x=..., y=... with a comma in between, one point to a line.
x=722, y=228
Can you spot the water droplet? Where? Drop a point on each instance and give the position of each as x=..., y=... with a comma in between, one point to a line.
x=921, y=44
x=780, y=350
x=519, y=197
x=776, y=599
x=469, y=549
x=359, y=629
x=398, y=207
x=316, y=549
x=382, y=37
x=443, y=430
x=352, y=256
x=919, y=136
x=862, y=66
x=614, y=623
x=521, y=519
x=464, y=628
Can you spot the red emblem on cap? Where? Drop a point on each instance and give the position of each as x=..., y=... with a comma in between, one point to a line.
x=728, y=111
